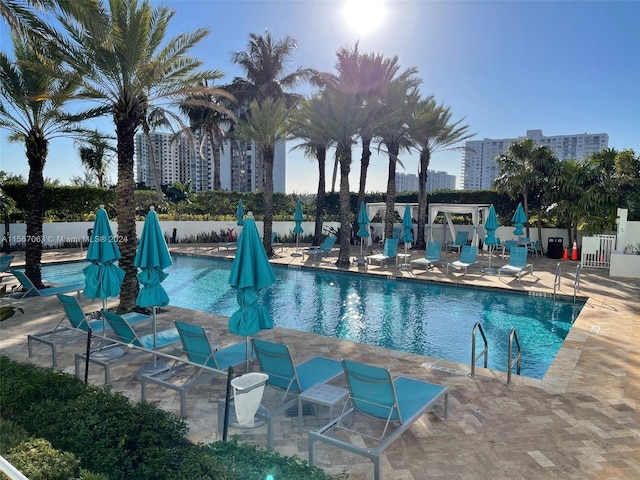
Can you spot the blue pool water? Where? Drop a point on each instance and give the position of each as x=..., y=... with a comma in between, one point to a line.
x=418, y=317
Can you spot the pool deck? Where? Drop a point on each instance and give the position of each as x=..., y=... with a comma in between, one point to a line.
x=581, y=421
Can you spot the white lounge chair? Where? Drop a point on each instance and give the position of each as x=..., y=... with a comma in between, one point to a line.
x=431, y=256
x=517, y=263
x=467, y=259
x=388, y=251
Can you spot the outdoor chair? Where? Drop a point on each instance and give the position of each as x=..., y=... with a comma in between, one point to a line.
x=460, y=241
x=28, y=288
x=5, y=262
x=374, y=394
x=79, y=323
x=507, y=246
x=204, y=363
x=536, y=249
x=388, y=252
x=274, y=244
x=325, y=247
x=468, y=258
x=286, y=379
x=431, y=256
x=517, y=263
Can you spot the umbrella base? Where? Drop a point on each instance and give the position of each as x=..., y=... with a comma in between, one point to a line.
x=152, y=369
x=490, y=270
x=361, y=262
x=296, y=254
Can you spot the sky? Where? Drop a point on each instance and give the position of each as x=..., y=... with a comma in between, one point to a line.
x=505, y=67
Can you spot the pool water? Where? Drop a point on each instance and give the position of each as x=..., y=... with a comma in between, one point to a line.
x=418, y=317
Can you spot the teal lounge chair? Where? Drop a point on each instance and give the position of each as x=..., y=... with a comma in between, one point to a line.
x=517, y=263
x=460, y=241
x=28, y=288
x=373, y=393
x=288, y=380
x=325, y=247
x=78, y=323
x=207, y=360
x=467, y=259
x=388, y=252
x=5, y=263
x=274, y=244
x=431, y=256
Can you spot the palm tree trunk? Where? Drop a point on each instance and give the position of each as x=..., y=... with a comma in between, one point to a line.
x=37, y=147
x=344, y=157
x=321, y=155
x=364, y=166
x=425, y=159
x=335, y=174
x=267, y=157
x=390, y=216
x=126, y=207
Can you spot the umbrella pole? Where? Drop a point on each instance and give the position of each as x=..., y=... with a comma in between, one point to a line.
x=153, y=320
x=227, y=399
x=104, y=320
x=247, y=349
x=86, y=367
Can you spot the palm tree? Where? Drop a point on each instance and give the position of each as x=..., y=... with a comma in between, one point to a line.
x=208, y=114
x=33, y=111
x=432, y=130
x=266, y=125
x=21, y=18
x=130, y=66
x=94, y=152
x=398, y=104
x=314, y=144
x=522, y=169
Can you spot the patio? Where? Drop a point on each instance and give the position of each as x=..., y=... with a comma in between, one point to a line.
x=580, y=421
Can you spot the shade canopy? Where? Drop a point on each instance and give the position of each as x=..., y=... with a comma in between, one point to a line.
x=102, y=278
x=240, y=213
x=407, y=225
x=519, y=219
x=298, y=218
x=250, y=273
x=152, y=258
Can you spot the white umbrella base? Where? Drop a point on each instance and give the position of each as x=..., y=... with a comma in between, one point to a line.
x=152, y=369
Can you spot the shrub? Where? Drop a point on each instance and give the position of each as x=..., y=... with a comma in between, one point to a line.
x=38, y=460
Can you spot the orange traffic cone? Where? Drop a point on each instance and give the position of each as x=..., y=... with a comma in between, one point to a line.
x=574, y=251
x=565, y=256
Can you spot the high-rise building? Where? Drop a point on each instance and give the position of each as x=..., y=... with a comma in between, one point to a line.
x=406, y=182
x=440, y=181
x=178, y=159
x=479, y=168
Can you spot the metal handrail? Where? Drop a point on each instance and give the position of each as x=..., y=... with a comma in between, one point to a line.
x=556, y=281
x=513, y=361
x=12, y=472
x=484, y=352
x=576, y=283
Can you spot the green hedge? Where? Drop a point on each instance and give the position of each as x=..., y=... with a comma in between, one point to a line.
x=112, y=437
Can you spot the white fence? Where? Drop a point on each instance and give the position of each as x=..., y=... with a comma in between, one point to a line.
x=596, y=251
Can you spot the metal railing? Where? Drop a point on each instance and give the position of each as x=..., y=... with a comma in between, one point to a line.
x=511, y=362
x=576, y=283
x=556, y=281
x=12, y=472
x=485, y=352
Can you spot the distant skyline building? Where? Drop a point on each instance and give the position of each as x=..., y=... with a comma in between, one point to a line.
x=479, y=168
x=408, y=182
x=178, y=160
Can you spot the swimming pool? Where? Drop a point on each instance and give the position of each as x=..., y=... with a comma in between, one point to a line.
x=418, y=317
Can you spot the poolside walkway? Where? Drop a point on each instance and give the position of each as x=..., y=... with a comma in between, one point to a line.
x=580, y=422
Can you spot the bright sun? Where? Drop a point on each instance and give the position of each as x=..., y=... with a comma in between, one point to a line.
x=364, y=16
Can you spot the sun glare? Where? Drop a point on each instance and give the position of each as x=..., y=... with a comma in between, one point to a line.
x=364, y=16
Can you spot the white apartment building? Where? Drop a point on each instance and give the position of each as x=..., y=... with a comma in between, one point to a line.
x=479, y=168
x=178, y=160
x=408, y=182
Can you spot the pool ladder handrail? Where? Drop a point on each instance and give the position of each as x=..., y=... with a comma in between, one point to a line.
x=511, y=362
x=576, y=283
x=556, y=281
x=484, y=352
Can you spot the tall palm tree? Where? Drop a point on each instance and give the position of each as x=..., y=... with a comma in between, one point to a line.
x=33, y=111
x=128, y=67
x=431, y=129
x=95, y=154
x=522, y=169
x=314, y=143
x=266, y=125
x=22, y=19
x=398, y=104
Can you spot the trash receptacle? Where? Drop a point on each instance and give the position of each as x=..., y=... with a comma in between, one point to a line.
x=555, y=249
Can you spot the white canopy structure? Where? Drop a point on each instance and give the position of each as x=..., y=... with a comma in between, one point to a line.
x=374, y=208
x=475, y=209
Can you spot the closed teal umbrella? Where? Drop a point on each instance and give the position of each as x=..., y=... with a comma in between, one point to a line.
x=102, y=278
x=240, y=213
x=519, y=219
x=363, y=225
x=250, y=273
x=407, y=232
x=152, y=258
x=491, y=225
x=298, y=218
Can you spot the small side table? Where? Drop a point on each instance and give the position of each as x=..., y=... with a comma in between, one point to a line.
x=402, y=259
x=321, y=394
